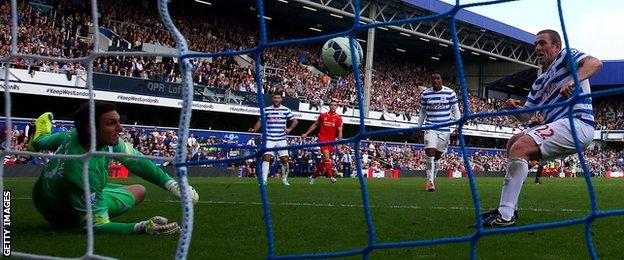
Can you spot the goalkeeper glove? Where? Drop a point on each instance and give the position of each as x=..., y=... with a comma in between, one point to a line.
x=174, y=188
x=156, y=226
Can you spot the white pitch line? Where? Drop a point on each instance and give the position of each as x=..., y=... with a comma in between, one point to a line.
x=305, y=204
x=332, y=205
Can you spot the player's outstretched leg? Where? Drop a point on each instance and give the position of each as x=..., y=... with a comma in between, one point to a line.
x=43, y=126
x=517, y=171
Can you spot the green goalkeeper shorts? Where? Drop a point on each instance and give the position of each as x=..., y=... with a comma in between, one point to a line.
x=60, y=213
x=117, y=199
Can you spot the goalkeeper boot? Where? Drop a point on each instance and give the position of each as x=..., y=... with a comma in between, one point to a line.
x=311, y=180
x=429, y=186
x=496, y=220
x=285, y=182
x=43, y=126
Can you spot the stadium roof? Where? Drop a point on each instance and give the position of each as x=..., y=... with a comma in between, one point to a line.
x=438, y=6
x=297, y=21
x=612, y=74
x=476, y=33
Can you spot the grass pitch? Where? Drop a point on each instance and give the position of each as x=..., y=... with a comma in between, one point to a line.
x=329, y=217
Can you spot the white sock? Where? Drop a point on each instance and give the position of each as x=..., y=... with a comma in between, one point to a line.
x=429, y=167
x=436, y=166
x=517, y=170
x=284, y=171
x=265, y=171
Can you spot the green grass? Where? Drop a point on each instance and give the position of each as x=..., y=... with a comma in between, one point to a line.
x=329, y=217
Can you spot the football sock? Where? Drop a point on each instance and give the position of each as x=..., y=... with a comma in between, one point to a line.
x=317, y=171
x=329, y=168
x=429, y=167
x=517, y=170
x=436, y=166
x=265, y=171
x=284, y=167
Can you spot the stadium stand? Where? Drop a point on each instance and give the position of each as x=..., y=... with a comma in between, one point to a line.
x=61, y=32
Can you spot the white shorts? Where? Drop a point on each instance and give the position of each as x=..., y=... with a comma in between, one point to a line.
x=437, y=139
x=271, y=144
x=555, y=139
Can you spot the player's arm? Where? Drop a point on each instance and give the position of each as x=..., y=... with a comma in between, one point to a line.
x=148, y=170
x=339, y=133
x=455, y=107
x=143, y=168
x=516, y=104
x=421, y=116
x=586, y=67
x=293, y=124
x=311, y=128
x=456, y=112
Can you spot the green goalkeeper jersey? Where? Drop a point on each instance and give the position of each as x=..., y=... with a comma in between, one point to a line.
x=59, y=195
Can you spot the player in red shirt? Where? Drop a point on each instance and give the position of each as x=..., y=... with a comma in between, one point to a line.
x=330, y=128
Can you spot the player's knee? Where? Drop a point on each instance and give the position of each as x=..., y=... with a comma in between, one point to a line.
x=512, y=140
x=438, y=155
x=138, y=191
x=431, y=152
x=524, y=147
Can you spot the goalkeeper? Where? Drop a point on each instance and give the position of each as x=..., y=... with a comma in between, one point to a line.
x=58, y=194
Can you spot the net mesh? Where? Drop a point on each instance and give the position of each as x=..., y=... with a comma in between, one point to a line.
x=184, y=55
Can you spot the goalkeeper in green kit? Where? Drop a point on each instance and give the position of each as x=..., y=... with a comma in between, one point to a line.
x=58, y=194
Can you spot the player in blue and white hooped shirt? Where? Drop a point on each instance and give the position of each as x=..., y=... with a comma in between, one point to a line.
x=437, y=104
x=277, y=117
x=553, y=136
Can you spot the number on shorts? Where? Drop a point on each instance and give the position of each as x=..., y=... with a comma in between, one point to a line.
x=545, y=131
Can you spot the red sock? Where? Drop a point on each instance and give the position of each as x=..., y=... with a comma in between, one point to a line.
x=329, y=168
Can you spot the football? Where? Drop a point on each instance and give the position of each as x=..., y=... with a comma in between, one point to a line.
x=336, y=55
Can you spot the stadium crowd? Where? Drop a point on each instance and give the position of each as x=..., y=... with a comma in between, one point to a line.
x=375, y=154
x=63, y=31
x=609, y=114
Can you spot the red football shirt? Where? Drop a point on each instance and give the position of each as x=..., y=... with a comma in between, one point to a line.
x=329, y=124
